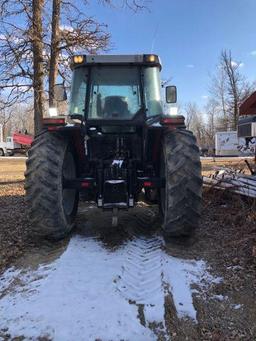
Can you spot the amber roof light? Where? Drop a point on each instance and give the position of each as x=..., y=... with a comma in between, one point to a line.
x=78, y=59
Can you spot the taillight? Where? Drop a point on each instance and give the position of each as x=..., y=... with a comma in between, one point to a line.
x=148, y=184
x=173, y=120
x=54, y=121
x=85, y=184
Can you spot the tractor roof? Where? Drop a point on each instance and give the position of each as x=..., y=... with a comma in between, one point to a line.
x=136, y=59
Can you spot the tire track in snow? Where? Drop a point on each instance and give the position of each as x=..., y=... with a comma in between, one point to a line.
x=149, y=275
x=141, y=279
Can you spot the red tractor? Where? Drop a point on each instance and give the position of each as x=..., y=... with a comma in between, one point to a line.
x=115, y=144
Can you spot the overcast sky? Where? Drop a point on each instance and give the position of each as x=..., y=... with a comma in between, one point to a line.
x=189, y=36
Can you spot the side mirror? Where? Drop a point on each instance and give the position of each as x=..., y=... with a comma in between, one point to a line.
x=60, y=94
x=171, y=94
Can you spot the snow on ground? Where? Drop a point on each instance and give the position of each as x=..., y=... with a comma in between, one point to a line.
x=91, y=293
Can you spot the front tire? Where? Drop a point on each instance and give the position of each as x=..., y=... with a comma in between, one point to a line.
x=181, y=197
x=52, y=208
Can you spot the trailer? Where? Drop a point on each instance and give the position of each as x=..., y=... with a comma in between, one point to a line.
x=228, y=143
x=17, y=143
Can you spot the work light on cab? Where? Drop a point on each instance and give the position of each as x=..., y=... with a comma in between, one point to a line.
x=78, y=59
x=151, y=58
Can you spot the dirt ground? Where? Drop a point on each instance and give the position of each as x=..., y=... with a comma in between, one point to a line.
x=225, y=239
x=12, y=169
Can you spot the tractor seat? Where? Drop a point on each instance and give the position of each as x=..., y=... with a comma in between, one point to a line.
x=115, y=107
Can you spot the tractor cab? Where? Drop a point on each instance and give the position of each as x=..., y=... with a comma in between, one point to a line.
x=116, y=88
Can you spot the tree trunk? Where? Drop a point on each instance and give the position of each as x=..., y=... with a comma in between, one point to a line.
x=38, y=74
x=54, y=58
x=236, y=112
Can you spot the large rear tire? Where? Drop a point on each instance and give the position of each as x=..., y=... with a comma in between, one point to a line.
x=181, y=198
x=52, y=208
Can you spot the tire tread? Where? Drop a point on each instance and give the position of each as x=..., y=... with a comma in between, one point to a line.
x=183, y=183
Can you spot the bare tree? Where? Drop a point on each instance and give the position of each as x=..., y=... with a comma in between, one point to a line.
x=234, y=83
x=21, y=49
x=218, y=93
x=229, y=88
x=17, y=117
x=195, y=122
x=190, y=113
x=16, y=75
x=5, y=116
x=211, y=112
x=22, y=118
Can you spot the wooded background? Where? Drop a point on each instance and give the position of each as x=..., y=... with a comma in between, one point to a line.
x=37, y=39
